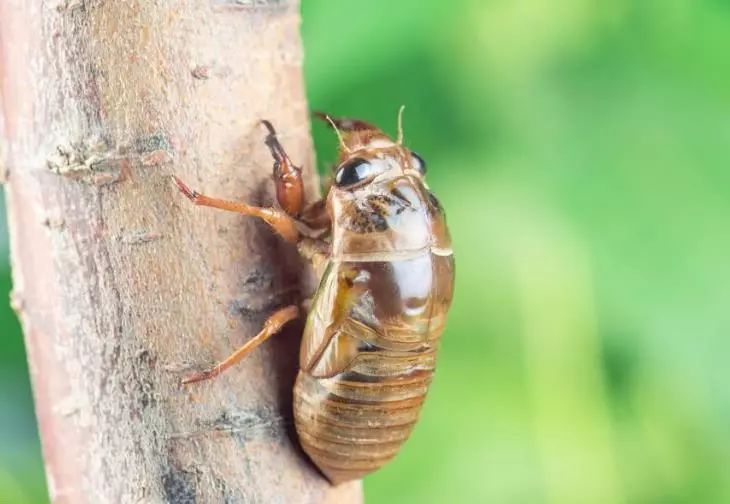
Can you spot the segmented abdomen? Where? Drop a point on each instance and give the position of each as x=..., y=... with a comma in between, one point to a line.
x=353, y=423
x=368, y=355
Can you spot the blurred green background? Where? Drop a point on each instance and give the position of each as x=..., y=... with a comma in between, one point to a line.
x=582, y=151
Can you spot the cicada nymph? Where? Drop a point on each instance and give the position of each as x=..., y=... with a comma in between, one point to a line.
x=380, y=246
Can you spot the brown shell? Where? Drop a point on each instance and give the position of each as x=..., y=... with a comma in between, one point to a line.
x=369, y=346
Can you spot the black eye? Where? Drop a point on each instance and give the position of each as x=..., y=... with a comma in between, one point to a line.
x=354, y=171
x=418, y=163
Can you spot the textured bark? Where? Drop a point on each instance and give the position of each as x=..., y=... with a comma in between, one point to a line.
x=123, y=286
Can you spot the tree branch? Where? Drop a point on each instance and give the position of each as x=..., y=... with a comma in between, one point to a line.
x=121, y=285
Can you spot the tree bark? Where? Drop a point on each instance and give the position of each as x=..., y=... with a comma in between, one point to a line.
x=122, y=286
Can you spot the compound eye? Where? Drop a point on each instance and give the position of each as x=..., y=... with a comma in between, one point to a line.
x=354, y=171
x=418, y=163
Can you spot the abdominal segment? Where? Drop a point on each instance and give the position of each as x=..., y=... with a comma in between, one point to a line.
x=367, y=359
x=353, y=423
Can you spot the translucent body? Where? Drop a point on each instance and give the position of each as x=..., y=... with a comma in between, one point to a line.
x=369, y=346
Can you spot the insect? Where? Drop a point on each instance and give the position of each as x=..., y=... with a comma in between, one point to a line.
x=381, y=249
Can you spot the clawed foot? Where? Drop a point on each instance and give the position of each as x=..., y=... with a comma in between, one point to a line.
x=200, y=376
x=189, y=193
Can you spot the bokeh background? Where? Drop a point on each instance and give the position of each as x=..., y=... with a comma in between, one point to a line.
x=582, y=151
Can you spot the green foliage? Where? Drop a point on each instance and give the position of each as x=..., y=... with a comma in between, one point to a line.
x=580, y=149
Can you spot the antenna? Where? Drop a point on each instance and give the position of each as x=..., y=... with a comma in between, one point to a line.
x=337, y=131
x=400, y=124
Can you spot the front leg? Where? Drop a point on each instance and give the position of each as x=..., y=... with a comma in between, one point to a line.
x=287, y=177
x=290, y=188
x=277, y=219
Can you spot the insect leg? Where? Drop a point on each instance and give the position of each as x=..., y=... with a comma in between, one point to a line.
x=272, y=326
x=315, y=215
x=315, y=251
x=288, y=178
x=277, y=219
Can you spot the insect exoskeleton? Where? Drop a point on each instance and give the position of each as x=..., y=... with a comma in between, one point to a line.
x=381, y=248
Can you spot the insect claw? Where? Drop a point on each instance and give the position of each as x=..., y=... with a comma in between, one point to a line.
x=277, y=151
x=193, y=378
x=269, y=127
x=189, y=193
